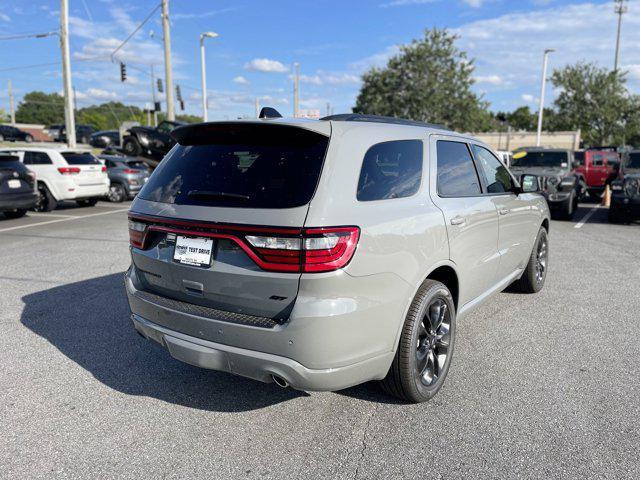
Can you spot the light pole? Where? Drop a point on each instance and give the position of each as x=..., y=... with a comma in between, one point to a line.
x=69, y=118
x=620, y=9
x=544, y=80
x=168, y=72
x=204, y=73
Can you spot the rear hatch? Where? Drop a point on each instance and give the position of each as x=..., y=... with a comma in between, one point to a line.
x=85, y=168
x=14, y=176
x=216, y=221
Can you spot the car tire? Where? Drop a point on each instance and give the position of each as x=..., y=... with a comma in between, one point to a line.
x=87, y=202
x=15, y=213
x=423, y=356
x=131, y=147
x=46, y=202
x=117, y=193
x=28, y=139
x=535, y=273
x=616, y=216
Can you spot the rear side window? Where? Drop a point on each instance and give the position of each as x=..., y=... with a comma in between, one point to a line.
x=391, y=170
x=37, y=158
x=457, y=176
x=243, y=166
x=80, y=158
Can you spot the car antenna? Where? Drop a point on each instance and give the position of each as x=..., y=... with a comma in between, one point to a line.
x=269, y=112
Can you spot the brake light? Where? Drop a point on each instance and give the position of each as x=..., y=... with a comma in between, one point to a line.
x=137, y=233
x=275, y=249
x=130, y=170
x=317, y=250
x=104, y=169
x=69, y=170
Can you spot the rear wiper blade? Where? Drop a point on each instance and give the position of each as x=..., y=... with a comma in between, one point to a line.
x=212, y=195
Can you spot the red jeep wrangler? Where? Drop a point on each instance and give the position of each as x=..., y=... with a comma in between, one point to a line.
x=596, y=164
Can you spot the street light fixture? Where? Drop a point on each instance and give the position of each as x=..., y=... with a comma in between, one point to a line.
x=204, y=75
x=542, y=87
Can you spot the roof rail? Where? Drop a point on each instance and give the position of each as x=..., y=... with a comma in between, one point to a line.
x=359, y=117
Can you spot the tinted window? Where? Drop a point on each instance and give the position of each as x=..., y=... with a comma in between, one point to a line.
x=166, y=127
x=457, y=174
x=391, y=170
x=495, y=173
x=540, y=159
x=36, y=158
x=74, y=158
x=245, y=166
x=137, y=164
x=634, y=160
x=578, y=158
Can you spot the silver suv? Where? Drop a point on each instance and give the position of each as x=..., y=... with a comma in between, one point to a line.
x=323, y=254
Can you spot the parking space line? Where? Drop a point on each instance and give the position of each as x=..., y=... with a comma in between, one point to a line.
x=586, y=218
x=36, y=214
x=66, y=219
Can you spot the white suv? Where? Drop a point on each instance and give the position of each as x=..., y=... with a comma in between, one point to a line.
x=64, y=174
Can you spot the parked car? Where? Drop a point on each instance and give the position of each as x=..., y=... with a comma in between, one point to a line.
x=596, y=165
x=17, y=187
x=323, y=254
x=13, y=134
x=64, y=174
x=625, y=192
x=59, y=133
x=561, y=186
x=126, y=176
x=105, y=139
x=153, y=143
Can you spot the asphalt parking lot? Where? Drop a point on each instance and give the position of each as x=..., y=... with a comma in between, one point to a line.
x=540, y=386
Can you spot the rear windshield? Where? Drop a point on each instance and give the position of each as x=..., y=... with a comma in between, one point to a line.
x=539, y=159
x=634, y=160
x=80, y=158
x=244, y=166
x=137, y=164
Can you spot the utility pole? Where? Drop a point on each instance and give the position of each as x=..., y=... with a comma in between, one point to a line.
x=257, y=107
x=203, y=73
x=620, y=9
x=328, y=109
x=296, y=93
x=171, y=112
x=69, y=118
x=542, y=85
x=153, y=97
x=11, y=105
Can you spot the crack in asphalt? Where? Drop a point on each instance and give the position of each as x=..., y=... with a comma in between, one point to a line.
x=363, y=444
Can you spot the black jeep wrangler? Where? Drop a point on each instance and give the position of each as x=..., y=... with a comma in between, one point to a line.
x=625, y=191
x=561, y=185
x=153, y=143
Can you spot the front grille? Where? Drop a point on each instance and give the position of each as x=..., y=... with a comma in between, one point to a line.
x=207, y=312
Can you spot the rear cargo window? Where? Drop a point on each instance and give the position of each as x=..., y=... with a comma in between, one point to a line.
x=80, y=158
x=391, y=170
x=247, y=167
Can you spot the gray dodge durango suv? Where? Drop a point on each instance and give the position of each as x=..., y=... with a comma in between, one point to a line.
x=320, y=254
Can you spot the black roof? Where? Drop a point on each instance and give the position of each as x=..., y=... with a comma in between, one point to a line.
x=359, y=117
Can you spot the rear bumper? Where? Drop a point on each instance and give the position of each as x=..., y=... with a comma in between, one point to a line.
x=626, y=205
x=329, y=342
x=86, y=191
x=17, y=201
x=258, y=365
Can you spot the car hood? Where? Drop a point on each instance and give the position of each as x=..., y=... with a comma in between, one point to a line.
x=635, y=173
x=540, y=171
x=140, y=129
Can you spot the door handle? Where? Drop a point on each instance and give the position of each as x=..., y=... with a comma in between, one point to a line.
x=503, y=211
x=458, y=221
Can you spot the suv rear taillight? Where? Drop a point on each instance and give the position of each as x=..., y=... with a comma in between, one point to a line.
x=296, y=250
x=315, y=250
x=137, y=233
x=69, y=170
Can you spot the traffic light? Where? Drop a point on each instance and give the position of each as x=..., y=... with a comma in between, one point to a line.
x=178, y=93
x=181, y=105
x=123, y=72
x=160, y=89
x=157, y=107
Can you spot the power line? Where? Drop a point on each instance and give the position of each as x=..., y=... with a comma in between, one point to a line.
x=135, y=31
x=29, y=35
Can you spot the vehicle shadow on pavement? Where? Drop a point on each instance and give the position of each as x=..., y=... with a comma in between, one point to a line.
x=88, y=321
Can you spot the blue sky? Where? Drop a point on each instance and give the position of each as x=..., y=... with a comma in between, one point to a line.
x=334, y=41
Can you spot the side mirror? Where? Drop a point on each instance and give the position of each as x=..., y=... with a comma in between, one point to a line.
x=530, y=183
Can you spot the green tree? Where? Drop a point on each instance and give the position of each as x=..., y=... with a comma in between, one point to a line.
x=429, y=80
x=41, y=108
x=596, y=101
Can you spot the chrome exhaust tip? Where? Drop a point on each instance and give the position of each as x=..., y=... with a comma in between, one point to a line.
x=281, y=382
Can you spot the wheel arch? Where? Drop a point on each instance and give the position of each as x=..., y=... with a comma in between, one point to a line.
x=50, y=187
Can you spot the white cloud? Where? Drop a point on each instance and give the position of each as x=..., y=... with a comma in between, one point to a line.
x=474, y=3
x=527, y=97
x=212, y=13
x=4, y=17
x=240, y=80
x=490, y=80
x=404, y=3
x=266, y=65
x=99, y=94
